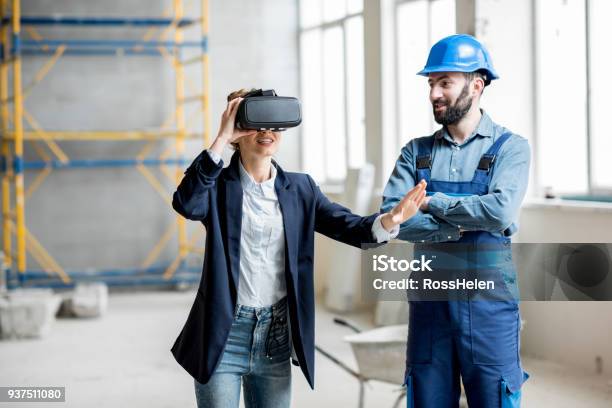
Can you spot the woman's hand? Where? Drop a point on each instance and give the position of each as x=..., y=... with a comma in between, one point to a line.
x=406, y=208
x=227, y=130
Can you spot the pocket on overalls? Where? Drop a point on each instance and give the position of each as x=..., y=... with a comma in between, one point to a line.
x=409, y=389
x=511, y=389
x=494, y=330
x=419, y=332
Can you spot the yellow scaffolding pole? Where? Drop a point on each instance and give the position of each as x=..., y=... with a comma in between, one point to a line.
x=100, y=135
x=18, y=126
x=4, y=119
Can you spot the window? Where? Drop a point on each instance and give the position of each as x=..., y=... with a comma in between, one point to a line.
x=600, y=61
x=572, y=58
x=561, y=94
x=419, y=25
x=332, y=87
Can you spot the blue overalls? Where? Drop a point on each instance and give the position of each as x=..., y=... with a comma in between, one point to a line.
x=477, y=340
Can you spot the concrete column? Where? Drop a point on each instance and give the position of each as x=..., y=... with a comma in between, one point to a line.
x=466, y=16
x=379, y=85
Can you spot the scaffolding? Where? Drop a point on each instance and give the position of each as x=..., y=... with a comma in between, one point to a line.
x=164, y=37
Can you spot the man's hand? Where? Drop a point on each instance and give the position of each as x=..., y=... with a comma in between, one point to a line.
x=406, y=208
x=425, y=204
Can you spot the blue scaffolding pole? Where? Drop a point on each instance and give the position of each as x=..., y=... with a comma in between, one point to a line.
x=100, y=46
x=112, y=277
x=112, y=43
x=91, y=163
x=101, y=21
x=96, y=52
x=103, y=47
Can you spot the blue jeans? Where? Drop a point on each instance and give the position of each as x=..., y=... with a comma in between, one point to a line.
x=257, y=353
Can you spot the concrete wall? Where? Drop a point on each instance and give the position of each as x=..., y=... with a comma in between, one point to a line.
x=106, y=218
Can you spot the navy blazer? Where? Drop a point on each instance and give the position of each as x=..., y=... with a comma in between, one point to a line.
x=213, y=195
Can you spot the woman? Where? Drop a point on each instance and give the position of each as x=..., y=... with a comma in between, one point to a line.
x=254, y=309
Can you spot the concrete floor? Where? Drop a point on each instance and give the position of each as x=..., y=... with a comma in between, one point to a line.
x=123, y=359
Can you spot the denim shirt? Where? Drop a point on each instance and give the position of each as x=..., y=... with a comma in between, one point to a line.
x=494, y=212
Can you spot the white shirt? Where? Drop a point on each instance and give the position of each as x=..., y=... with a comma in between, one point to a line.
x=262, y=244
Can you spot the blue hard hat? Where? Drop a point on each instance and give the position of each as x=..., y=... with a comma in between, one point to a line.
x=460, y=53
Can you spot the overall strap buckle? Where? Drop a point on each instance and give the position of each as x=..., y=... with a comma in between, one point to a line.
x=486, y=161
x=423, y=162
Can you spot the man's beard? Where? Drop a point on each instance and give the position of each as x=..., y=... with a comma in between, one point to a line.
x=453, y=114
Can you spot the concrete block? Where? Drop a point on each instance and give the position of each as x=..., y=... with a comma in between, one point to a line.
x=87, y=300
x=28, y=313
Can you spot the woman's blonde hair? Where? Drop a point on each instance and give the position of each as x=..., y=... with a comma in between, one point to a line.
x=238, y=94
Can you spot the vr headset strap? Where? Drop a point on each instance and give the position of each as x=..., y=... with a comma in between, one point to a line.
x=261, y=92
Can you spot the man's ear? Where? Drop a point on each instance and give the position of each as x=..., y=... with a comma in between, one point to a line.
x=478, y=85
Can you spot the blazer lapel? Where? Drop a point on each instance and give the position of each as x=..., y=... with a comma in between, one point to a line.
x=287, y=200
x=233, y=212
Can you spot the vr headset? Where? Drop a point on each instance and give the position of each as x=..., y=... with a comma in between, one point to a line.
x=264, y=110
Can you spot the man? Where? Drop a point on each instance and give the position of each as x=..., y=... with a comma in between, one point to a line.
x=477, y=174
